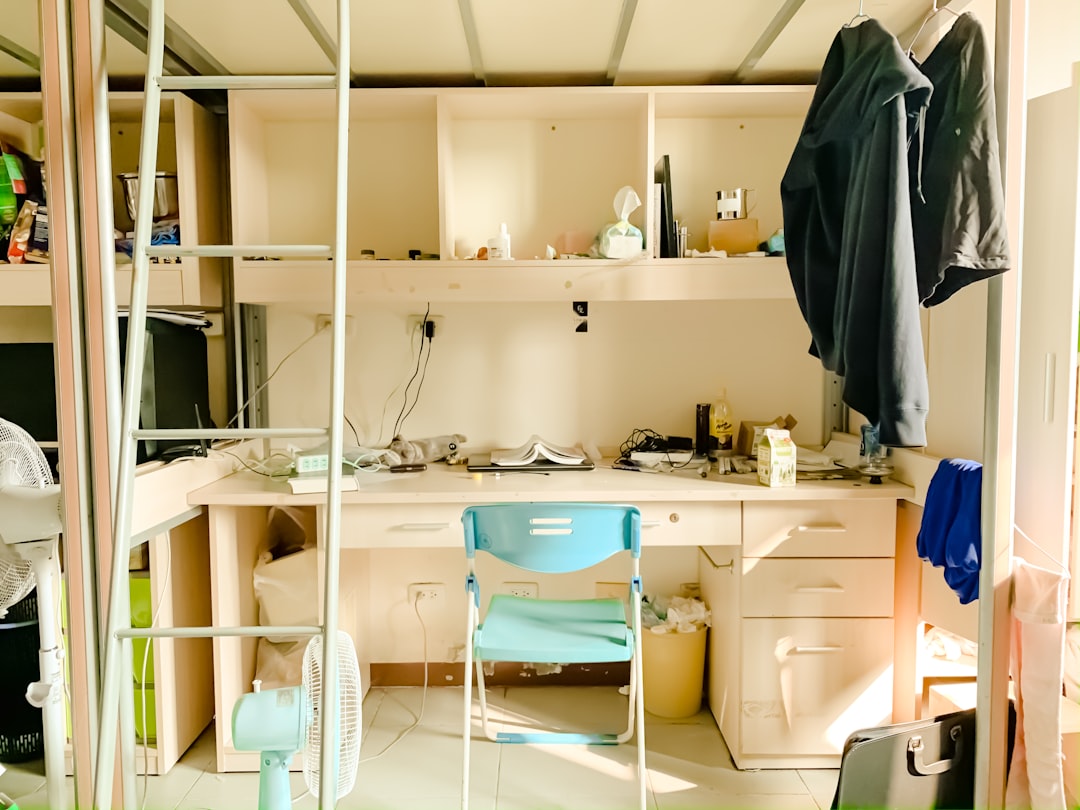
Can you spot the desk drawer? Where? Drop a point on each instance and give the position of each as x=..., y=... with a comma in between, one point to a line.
x=831, y=586
x=809, y=683
x=402, y=526
x=850, y=528
x=690, y=524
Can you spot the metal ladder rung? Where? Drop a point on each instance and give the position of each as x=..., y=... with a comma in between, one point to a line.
x=240, y=251
x=230, y=433
x=316, y=82
x=253, y=631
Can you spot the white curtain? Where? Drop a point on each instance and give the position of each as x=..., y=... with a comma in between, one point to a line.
x=1037, y=669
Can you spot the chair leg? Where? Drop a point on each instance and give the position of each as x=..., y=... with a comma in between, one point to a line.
x=639, y=699
x=481, y=691
x=466, y=735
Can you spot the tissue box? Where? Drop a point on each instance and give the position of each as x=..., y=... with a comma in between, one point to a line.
x=734, y=235
x=776, y=459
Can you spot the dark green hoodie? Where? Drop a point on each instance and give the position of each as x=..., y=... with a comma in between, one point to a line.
x=847, y=228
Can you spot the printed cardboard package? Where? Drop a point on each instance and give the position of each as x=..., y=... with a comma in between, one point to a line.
x=776, y=459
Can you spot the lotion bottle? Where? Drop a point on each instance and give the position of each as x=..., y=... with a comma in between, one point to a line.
x=499, y=247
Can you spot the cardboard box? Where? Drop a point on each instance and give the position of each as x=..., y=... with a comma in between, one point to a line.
x=776, y=459
x=734, y=235
x=750, y=433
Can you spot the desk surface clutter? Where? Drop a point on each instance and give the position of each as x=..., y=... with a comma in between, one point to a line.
x=453, y=484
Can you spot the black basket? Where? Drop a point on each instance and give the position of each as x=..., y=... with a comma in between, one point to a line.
x=21, y=731
x=25, y=610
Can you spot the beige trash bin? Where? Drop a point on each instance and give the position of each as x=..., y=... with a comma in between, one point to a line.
x=674, y=670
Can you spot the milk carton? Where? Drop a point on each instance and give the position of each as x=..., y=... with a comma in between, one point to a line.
x=776, y=458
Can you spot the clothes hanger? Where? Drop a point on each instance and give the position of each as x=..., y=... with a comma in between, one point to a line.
x=934, y=11
x=850, y=23
x=1060, y=565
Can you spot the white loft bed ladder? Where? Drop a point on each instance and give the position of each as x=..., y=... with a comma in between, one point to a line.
x=117, y=689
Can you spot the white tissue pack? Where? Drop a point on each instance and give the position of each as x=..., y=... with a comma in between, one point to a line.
x=621, y=240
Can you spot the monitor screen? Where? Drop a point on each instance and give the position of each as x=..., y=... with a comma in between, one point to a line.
x=28, y=390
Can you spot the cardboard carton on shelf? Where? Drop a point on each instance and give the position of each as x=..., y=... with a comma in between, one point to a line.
x=750, y=433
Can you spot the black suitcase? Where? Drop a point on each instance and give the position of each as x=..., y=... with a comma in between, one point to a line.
x=922, y=764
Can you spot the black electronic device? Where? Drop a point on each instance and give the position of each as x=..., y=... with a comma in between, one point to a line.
x=669, y=239
x=176, y=389
x=28, y=395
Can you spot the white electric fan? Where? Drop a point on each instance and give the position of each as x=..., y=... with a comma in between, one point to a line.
x=30, y=531
x=280, y=722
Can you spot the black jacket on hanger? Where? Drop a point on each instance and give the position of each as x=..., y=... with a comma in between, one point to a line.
x=847, y=227
x=959, y=219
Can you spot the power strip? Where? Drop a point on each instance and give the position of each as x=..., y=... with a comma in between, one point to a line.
x=312, y=463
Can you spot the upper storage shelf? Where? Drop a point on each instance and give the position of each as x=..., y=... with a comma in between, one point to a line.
x=437, y=170
x=189, y=145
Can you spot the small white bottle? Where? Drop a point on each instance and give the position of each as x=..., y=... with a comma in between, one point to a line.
x=499, y=247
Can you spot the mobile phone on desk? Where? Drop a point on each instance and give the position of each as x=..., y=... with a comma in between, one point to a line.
x=407, y=468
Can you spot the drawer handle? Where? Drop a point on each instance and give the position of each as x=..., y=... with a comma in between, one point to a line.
x=424, y=527
x=811, y=650
x=835, y=528
x=820, y=589
x=650, y=524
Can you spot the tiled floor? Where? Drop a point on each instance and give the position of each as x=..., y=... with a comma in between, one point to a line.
x=688, y=763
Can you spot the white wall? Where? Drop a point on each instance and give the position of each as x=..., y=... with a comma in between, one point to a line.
x=498, y=373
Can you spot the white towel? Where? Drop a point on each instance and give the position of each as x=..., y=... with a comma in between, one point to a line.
x=1037, y=668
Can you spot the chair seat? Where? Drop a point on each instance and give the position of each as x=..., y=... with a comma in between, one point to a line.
x=566, y=632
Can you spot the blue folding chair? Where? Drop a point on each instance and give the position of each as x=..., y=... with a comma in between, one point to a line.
x=554, y=538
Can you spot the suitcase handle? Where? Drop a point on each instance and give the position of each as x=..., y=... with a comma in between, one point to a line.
x=915, y=752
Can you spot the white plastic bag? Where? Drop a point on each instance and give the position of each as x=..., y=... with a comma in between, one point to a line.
x=286, y=589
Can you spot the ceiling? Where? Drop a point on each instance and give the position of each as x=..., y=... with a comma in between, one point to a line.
x=487, y=42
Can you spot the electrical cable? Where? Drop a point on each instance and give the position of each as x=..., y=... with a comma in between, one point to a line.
x=423, y=693
x=416, y=371
x=420, y=385
x=353, y=428
x=273, y=373
x=649, y=441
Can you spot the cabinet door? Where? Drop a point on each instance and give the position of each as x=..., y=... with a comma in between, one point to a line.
x=809, y=683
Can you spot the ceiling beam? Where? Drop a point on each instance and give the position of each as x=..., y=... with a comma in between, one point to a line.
x=768, y=37
x=472, y=40
x=315, y=28
x=626, y=19
x=19, y=53
x=183, y=55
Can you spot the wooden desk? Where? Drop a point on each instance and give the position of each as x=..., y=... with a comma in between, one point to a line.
x=758, y=544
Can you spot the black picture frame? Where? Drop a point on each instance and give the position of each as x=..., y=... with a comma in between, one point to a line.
x=669, y=239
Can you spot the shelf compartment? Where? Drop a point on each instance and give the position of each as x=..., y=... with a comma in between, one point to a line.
x=726, y=138
x=283, y=164
x=543, y=160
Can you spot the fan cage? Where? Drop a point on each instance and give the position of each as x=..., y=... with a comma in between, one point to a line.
x=349, y=707
x=18, y=448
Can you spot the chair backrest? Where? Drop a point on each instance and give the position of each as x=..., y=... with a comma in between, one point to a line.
x=552, y=538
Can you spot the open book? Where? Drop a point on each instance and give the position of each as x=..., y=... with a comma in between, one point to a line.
x=536, y=448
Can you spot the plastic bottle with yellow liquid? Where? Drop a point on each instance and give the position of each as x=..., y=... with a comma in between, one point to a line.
x=721, y=424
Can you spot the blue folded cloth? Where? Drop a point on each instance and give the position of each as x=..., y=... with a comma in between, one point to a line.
x=950, y=536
